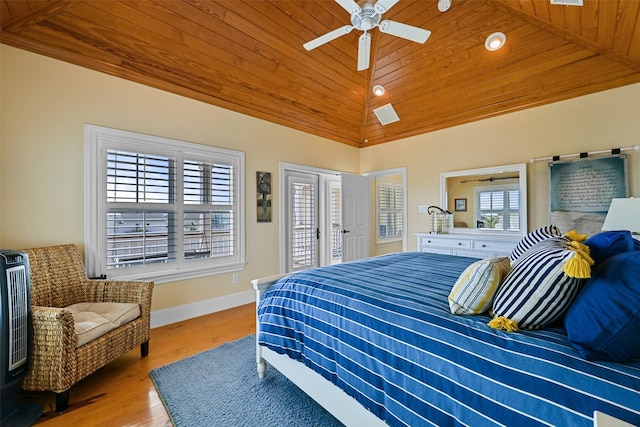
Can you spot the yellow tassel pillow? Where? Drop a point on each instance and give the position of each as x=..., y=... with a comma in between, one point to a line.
x=474, y=290
x=541, y=284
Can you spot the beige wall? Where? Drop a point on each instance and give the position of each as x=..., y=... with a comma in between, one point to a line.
x=45, y=103
x=595, y=122
x=44, y=106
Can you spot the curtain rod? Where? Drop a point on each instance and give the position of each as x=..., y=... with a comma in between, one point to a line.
x=490, y=179
x=586, y=154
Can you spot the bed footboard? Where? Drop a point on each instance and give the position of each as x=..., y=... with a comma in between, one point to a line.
x=261, y=285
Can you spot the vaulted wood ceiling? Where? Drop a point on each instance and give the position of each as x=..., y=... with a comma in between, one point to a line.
x=247, y=56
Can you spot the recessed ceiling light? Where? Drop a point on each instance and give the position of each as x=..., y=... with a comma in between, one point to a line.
x=444, y=5
x=495, y=41
x=378, y=90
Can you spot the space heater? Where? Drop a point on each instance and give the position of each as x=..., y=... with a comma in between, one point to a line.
x=15, y=307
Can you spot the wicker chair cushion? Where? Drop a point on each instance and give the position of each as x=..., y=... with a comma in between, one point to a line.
x=94, y=319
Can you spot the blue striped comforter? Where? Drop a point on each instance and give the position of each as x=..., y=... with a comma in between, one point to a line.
x=381, y=330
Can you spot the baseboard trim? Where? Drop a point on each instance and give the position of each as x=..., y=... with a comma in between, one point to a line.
x=200, y=308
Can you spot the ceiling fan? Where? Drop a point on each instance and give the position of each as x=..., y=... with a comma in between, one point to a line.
x=364, y=17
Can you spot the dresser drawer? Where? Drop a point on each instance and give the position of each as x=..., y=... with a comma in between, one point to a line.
x=493, y=246
x=435, y=250
x=444, y=242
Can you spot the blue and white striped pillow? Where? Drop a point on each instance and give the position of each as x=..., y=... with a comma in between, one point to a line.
x=536, y=291
x=536, y=236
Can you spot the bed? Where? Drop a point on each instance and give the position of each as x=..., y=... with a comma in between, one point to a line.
x=374, y=341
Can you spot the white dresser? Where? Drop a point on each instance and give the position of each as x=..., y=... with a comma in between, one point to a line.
x=474, y=245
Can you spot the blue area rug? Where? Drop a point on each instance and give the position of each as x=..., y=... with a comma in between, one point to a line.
x=220, y=387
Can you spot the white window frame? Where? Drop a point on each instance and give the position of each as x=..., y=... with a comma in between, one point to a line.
x=100, y=139
x=380, y=176
x=505, y=189
x=397, y=187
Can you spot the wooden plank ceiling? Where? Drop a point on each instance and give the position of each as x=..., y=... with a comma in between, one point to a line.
x=247, y=56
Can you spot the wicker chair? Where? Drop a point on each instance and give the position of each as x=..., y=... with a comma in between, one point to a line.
x=58, y=279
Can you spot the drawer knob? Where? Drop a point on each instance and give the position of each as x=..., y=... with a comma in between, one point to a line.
x=484, y=246
x=459, y=243
x=428, y=241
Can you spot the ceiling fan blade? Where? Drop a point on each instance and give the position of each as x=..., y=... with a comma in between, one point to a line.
x=364, y=51
x=326, y=38
x=405, y=31
x=383, y=5
x=350, y=6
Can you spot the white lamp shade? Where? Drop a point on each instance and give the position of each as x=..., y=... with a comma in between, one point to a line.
x=624, y=214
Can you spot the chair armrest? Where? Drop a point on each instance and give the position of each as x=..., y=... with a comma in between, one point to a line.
x=53, y=349
x=133, y=291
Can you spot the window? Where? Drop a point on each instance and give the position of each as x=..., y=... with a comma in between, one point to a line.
x=161, y=209
x=498, y=208
x=390, y=204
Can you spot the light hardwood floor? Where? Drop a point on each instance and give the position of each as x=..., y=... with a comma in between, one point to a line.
x=122, y=393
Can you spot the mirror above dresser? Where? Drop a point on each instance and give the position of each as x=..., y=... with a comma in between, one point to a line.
x=490, y=200
x=489, y=207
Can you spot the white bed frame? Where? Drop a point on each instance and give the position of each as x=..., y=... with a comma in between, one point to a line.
x=339, y=404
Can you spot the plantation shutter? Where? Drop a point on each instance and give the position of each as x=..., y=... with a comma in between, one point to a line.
x=499, y=209
x=141, y=209
x=390, y=210
x=304, y=227
x=336, y=223
x=514, y=210
x=208, y=217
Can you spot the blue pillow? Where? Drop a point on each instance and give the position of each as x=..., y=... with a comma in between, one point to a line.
x=609, y=243
x=604, y=320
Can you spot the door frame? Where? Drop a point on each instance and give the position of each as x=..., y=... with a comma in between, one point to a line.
x=325, y=176
x=290, y=232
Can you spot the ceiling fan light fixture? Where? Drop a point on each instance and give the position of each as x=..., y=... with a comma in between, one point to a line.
x=378, y=90
x=495, y=41
x=365, y=16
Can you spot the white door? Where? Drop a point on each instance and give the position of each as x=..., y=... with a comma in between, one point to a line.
x=301, y=224
x=355, y=217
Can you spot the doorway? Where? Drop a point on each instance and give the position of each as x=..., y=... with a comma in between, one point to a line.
x=325, y=217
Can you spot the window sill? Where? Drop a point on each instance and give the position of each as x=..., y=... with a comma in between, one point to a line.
x=168, y=276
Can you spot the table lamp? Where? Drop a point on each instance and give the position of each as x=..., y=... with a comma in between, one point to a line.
x=624, y=214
